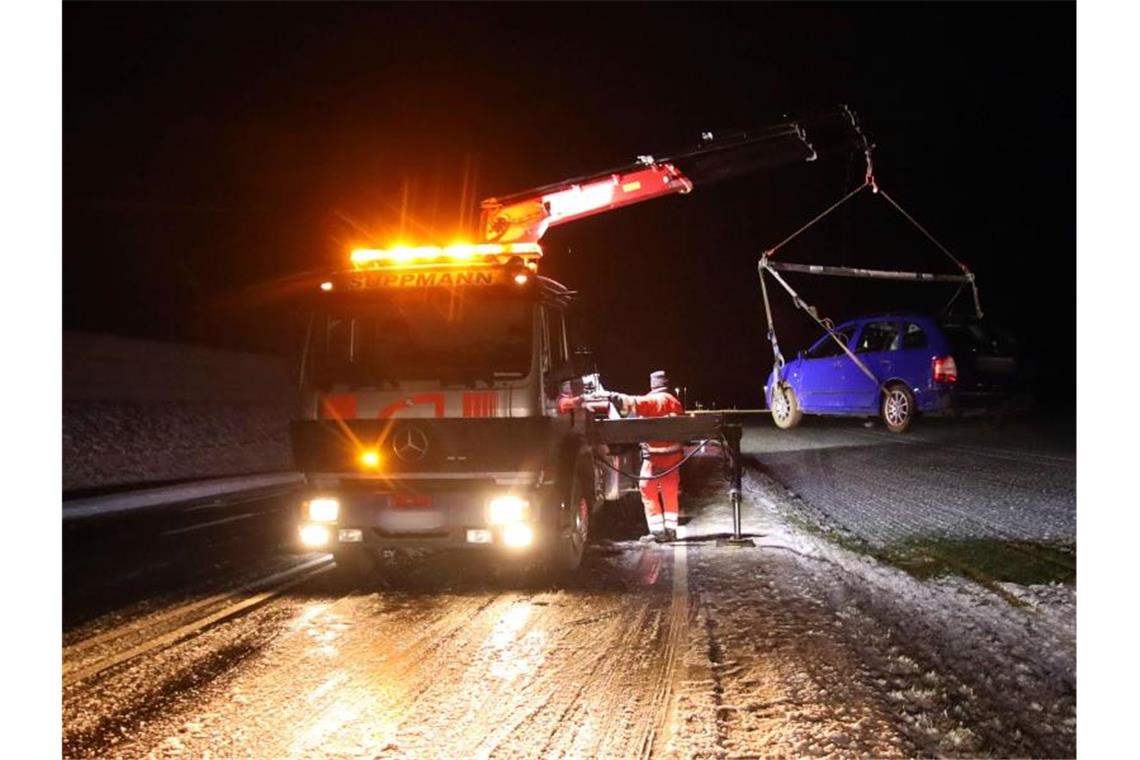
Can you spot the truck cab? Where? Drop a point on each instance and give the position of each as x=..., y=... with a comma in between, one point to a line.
x=431, y=414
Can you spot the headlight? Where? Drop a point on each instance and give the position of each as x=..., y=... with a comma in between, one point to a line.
x=323, y=509
x=504, y=510
x=314, y=535
x=518, y=535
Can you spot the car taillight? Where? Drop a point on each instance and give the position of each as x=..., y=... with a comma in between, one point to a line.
x=945, y=370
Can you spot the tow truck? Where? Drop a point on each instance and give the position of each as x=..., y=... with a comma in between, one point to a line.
x=436, y=381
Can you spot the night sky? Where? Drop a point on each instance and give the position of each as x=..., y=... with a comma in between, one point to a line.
x=212, y=152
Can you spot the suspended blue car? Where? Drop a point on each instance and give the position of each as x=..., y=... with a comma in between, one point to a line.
x=896, y=367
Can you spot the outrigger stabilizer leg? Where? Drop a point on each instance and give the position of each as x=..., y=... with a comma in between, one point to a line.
x=732, y=434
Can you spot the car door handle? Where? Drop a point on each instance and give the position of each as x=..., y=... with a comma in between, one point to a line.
x=885, y=362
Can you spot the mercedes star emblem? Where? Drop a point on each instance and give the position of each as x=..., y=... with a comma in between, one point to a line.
x=410, y=444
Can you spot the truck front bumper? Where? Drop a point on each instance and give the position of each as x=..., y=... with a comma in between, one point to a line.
x=379, y=516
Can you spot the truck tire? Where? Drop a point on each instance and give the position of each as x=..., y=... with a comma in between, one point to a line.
x=566, y=554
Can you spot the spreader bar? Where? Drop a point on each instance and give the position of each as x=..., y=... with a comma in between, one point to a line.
x=877, y=274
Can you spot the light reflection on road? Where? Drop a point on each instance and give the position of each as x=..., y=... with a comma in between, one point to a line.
x=509, y=655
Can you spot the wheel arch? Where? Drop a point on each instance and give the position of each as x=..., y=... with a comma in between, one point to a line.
x=896, y=380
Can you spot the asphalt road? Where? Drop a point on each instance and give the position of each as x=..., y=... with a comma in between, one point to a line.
x=203, y=632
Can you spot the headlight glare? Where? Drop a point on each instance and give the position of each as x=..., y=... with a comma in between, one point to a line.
x=314, y=535
x=505, y=510
x=324, y=509
x=518, y=535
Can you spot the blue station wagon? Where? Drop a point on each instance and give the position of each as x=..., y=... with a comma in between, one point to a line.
x=921, y=365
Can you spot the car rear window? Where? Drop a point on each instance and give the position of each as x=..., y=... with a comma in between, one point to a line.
x=914, y=336
x=878, y=336
x=979, y=339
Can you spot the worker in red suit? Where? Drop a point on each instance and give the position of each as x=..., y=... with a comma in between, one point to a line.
x=659, y=494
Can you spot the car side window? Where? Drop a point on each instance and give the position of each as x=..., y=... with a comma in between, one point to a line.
x=914, y=336
x=878, y=336
x=826, y=346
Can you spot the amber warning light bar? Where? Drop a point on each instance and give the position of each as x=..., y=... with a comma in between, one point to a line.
x=461, y=264
x=452, y=255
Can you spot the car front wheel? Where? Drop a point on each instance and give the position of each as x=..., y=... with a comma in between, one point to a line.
x=785, y=407
x=897, y=408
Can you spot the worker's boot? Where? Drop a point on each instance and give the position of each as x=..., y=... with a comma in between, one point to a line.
x=670, y=535
x=654, y=537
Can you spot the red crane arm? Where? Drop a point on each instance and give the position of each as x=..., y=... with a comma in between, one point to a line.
x=524, y=218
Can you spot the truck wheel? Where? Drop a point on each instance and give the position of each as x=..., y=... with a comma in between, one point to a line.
x=897, y=409
x=785, y=407
x=569, y=548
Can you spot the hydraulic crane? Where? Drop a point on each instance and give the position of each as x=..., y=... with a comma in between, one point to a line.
x=526, y=216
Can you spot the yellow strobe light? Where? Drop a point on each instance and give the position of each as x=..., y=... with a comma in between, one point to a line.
x=370, y=458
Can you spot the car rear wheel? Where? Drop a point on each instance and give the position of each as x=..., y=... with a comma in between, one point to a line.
x=785, y=407
x=897, y=409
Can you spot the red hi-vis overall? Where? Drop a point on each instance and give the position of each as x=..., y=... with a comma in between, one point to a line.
x=659, y=495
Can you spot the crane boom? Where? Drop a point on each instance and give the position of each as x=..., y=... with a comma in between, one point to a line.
x=525, y=217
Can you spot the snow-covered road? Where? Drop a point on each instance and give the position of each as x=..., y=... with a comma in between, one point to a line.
x=795, y=647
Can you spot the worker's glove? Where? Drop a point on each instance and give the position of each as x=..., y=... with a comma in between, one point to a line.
x=617, y=399
x=567, y=404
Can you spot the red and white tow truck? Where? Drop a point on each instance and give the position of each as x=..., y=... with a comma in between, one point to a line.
x=433, y=376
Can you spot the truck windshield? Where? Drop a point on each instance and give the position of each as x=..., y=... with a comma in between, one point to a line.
x=421, y=334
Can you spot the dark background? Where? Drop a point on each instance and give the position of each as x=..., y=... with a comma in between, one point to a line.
x=213, y=152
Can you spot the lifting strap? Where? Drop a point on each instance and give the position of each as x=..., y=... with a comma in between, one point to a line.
x=766, y=265
x=823, y=322
x=776, y=355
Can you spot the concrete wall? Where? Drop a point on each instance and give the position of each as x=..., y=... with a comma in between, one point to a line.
x=136, y=411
